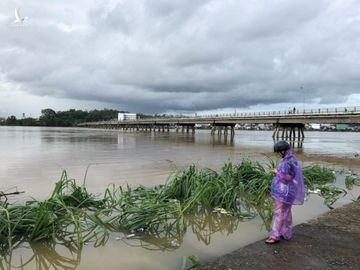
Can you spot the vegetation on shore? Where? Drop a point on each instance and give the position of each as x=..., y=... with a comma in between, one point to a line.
x=72, y=215
x=70, y=118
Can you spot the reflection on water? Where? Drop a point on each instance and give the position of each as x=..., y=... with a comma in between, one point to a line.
x=43, y=255
x=48, y=255
x=204, y=225
x=296, y=143
x=222, y=139
x=32, y=159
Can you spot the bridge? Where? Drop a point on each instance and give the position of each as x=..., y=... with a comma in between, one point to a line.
x=285, y=123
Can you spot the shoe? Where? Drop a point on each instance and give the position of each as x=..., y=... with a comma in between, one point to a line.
x=271, y=241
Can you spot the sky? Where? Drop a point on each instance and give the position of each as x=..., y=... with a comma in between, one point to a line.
x=178, y=56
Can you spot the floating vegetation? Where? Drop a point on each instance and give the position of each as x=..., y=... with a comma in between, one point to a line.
x=59, y=219
x=159, y=215
x=143, y=208
x=316, y=176
x=319, y=180
x=351, y=181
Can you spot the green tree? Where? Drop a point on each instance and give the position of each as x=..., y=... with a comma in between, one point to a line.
x=11, y=121
x=47, y=117
x=29, y=122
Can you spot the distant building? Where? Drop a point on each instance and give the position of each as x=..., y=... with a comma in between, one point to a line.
x=314, y=126
x=327, y=127
x=342, y=127
x=126, y=116
x=264, y=126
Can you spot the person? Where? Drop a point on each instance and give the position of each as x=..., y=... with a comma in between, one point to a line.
x=294, y=110
x=287, y=189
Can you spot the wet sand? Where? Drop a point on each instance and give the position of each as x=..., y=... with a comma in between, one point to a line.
x=331, y=241
x=349, y=162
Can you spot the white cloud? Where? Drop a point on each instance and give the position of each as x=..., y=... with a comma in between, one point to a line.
x=175, y=55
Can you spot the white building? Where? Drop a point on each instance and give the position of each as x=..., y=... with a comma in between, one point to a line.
x=314, y=126
x=126, y=116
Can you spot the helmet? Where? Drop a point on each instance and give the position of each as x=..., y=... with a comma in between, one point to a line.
x=281, y=146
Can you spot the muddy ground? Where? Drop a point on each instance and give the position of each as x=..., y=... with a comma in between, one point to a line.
x=331, y=241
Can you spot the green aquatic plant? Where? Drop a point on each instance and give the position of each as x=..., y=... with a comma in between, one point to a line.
x=138, y=210
x=351, y=181
x=320, y=180
x=331, y=194
x=156, y=214
x=144, y=208
x=316, y=175
x=236, y=188
x=59, y=218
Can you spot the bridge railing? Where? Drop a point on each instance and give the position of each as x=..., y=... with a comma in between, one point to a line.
x=324, y=111
x=336, y=110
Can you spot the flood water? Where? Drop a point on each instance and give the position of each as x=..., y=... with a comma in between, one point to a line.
x=33, y=158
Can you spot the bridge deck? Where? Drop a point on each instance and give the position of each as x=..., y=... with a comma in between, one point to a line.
x=344, y=117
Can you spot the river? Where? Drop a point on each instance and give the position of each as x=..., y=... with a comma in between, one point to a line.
x=32, y=159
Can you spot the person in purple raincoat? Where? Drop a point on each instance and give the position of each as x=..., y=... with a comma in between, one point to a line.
x=287, y=189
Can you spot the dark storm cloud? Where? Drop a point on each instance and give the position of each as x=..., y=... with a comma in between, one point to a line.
x=162, y=55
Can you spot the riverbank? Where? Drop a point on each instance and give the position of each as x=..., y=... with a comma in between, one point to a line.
x=332, y=241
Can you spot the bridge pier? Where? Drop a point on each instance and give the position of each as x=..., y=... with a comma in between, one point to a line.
x=223, y=128
x=184, y=128
x=298, y=143
x=285, y=127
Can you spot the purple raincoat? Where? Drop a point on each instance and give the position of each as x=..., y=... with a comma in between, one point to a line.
x=288, y=183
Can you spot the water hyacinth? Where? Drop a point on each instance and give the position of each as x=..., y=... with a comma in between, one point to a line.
x=160, y=214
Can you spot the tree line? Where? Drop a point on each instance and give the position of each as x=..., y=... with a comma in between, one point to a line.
x=72, y=118
x=69, y=118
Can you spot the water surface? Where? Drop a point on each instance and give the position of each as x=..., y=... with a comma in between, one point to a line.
x=33, y=158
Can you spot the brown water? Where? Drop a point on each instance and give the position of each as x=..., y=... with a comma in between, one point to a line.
x=32, y=160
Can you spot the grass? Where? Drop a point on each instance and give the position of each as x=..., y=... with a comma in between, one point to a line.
x=73, y=216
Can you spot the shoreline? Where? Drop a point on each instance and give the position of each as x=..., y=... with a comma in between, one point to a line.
x=330, y=241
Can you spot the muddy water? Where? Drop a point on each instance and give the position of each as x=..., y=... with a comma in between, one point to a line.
x=32, y=160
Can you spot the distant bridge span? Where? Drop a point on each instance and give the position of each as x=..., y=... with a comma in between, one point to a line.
x=283, y=121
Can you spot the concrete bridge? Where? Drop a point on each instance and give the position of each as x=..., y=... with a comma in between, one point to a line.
x=285, y=123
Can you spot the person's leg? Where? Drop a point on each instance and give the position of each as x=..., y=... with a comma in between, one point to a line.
x=286, y=230
x=278, y=220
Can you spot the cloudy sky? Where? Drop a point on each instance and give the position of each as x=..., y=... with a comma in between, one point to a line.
x=178, y=56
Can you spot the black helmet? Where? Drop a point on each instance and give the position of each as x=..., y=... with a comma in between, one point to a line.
x=281, y=146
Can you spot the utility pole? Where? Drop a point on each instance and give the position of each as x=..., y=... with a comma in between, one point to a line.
x=303, y=97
